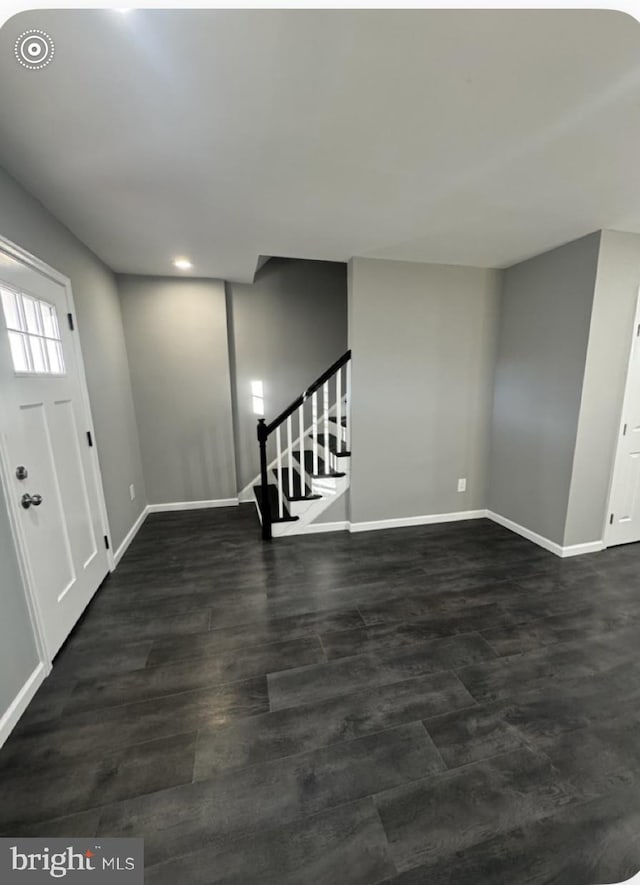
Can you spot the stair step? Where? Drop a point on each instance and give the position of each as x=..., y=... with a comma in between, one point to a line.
x=300, y=492
x=333, y=446
x=343, y=420
x=308, y=466
x=273, y=504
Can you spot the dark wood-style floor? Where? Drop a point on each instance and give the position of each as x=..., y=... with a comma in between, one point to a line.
x=444, y=704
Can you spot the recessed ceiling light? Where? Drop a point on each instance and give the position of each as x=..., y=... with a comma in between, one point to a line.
x=182, y=263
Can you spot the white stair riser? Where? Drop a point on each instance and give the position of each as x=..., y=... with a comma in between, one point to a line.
x=326, y=486
x=297, y=508
x=343, y=465
x=335, y=462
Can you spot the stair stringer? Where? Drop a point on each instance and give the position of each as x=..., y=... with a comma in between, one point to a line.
x=316, y=508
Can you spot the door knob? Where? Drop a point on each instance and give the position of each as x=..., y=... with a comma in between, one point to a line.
x=27, y=500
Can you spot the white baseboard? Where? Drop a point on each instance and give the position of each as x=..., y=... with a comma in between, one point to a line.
x=133, y=531
x=428, y=519
x=192, y=505
x=580, y=549
x=20, y=703
x=541, y=541
x=316, y=528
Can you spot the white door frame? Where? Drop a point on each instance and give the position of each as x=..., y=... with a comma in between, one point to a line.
x=41, y=267
x=623, y=409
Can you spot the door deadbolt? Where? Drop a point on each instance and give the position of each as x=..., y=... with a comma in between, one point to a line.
x=31, y=500
x=21, y=472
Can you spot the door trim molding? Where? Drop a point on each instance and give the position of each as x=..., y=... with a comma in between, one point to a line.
x=41, y=267
x=614, y=459
x=10, y=717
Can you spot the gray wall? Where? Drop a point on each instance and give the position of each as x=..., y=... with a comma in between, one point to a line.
x=286, y=329
x=614, y=305
x=544, y=327
x=176, y=333
x=423, y=343
x=28, y=224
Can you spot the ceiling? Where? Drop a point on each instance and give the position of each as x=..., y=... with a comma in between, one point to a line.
x=460, y=137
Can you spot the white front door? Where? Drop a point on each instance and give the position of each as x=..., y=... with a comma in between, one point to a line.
x=49, y=465
x=623, y=525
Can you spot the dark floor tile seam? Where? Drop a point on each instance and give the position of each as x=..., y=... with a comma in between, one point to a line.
x=82, y=757
x=330, y=745
x=101, y=806
x=247, y=646
x=312, y=628
x=535, y=751
x=54, y=820
x=553, y=646
x=398, y=652
x=361, y=687
x=322, y=648
x=586, y=571
x=445, y=767
x=462, y=574
x=242, y=835
x=538, y=818
x=489, y=643
x=385, y=655
x=141, y=615
x=455, y=771
x=526, y=745
x=161, y=697
x=206, y=658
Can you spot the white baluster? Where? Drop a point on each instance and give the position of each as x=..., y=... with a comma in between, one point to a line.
x=339, y=409
x=290, y=456
x=314, y=431
x=325, y=405
x=279, y=473
x=301, y=443
x=348, y=407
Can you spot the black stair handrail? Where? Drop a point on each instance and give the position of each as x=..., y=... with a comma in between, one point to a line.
x=265, y=430
x=317, y=384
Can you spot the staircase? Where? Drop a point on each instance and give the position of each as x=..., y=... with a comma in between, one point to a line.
x=305, y=455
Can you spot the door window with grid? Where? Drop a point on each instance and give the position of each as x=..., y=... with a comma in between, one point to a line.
x=34, y=334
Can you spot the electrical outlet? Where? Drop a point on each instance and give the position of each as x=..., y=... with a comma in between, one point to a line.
x=462, y=485
x=132, y=491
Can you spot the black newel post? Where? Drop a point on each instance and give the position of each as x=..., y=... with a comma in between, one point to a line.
x=264, y=480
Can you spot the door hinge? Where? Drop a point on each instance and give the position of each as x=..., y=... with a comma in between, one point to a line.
x=70, y=321
x=611, y=519
x=89, y=438
x=624, y=430
x=106, y=542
